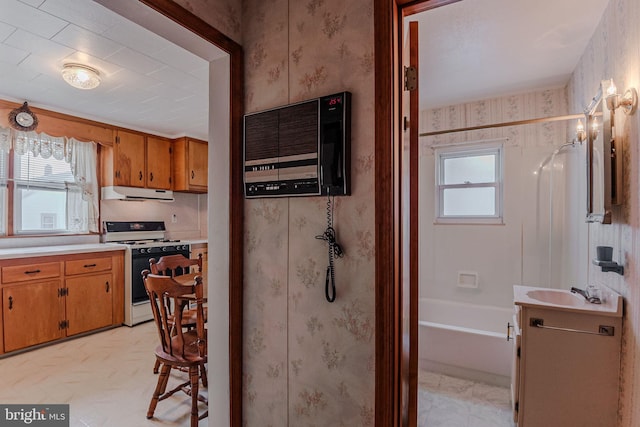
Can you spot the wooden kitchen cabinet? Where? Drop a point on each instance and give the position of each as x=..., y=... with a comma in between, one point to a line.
x=158, y=163
x=94, y=291
x=89, y=281
x=49, y=298
x=129, y=159
x=190, y=165
x=32, y=313
x=137, y=160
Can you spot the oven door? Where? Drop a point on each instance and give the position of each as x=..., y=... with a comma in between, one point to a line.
x=139, y=263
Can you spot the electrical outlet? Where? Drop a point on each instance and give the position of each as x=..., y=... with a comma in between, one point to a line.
x=174, y=218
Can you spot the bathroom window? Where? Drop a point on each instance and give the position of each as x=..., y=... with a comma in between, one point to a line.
x=469, y=185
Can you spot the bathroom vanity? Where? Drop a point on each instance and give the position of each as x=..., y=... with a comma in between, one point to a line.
x=566, y=358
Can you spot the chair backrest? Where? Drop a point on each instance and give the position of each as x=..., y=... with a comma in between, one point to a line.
x=173, y=265
x=164, y=292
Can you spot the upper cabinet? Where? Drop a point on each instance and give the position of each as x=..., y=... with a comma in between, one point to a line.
x=128, y=161
x=137, y=160
x=190, y=165
x=158, y=163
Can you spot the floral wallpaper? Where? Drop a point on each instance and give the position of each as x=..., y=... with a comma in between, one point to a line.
x=309, y=362
x=224, y=15
x=614, y=52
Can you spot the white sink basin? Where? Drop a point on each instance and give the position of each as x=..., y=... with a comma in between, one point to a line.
x=565, y=300
x=557, y=296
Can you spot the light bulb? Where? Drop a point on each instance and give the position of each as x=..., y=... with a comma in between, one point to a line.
x=612, y=90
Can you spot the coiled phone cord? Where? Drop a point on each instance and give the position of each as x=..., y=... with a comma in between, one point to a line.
x=335, y=251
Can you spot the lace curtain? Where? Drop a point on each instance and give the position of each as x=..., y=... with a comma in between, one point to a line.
x=82, y=158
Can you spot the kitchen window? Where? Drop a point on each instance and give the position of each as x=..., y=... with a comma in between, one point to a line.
x=53, y=185
x=469, y=184
x=4, y=170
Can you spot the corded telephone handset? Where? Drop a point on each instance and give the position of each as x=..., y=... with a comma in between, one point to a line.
x=331, y=159
x=334, y=153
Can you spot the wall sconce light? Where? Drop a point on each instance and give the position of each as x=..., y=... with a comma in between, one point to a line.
x=595, y=129
x=628, y=101
x=581, y=134
x=81, y=76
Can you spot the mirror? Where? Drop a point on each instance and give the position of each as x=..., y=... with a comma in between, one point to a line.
x=603, y=160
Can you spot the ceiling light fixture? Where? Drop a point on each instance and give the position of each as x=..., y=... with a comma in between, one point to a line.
x=81, y=76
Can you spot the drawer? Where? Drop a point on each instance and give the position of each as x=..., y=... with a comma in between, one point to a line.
x=27, y=272
x=88, y=265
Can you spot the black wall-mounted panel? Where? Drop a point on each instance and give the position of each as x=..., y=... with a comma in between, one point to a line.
x=283, y=149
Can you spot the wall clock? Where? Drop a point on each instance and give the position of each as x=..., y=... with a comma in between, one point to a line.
x=23, y=119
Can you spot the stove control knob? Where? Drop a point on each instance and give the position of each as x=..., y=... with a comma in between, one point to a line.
x=142, y=250
x=164, y=249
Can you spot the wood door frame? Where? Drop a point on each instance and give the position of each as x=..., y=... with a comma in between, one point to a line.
x=193, y=23
x=388, y=25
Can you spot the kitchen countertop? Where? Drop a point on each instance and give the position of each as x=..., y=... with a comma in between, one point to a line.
x=38, y=251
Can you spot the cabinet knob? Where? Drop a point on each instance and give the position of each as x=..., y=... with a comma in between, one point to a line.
x=107, y=286
x=151, y=176
x=10, y=302
x=193, y=174
x=140, y=176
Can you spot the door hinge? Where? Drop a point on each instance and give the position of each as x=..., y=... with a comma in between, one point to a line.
x=516, y=406
x=518, y=352
x=410, y=78
x=64, y=324
x=117, y=140
x=405, y=123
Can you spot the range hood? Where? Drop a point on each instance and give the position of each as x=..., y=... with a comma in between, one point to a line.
x=134, y=193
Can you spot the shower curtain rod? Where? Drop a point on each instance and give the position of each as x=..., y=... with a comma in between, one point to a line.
x=505, y=124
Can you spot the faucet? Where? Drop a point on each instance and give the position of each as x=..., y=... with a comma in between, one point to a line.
x=585, y=294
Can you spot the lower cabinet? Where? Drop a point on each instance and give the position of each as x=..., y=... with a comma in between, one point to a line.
x=32, y=314
x=95, y=289
x=57, y=297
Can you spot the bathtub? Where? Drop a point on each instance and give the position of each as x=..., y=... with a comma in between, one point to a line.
x=465, y=340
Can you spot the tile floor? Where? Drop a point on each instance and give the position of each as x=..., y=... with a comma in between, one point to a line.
x=445, y=401
x=106, y=378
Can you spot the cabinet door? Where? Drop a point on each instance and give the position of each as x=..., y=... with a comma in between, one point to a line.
x=158, y=163
x=198, y=163
x=32, y=313
x=89, y=302
x=129, y=167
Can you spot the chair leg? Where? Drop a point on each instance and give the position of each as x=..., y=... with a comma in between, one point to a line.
x=156, y=367
x=195, y=377
x=203, y=375
x=162, y=384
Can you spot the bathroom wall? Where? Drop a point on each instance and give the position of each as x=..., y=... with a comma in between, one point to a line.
x=190, y=211
x=614, y=52
x=534, y=245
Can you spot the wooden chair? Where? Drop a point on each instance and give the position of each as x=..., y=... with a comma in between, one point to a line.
x=179, y=348
x=174, y=265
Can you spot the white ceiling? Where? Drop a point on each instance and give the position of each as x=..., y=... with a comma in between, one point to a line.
x=469, y=50
x=148, y=83
x=479, y=49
